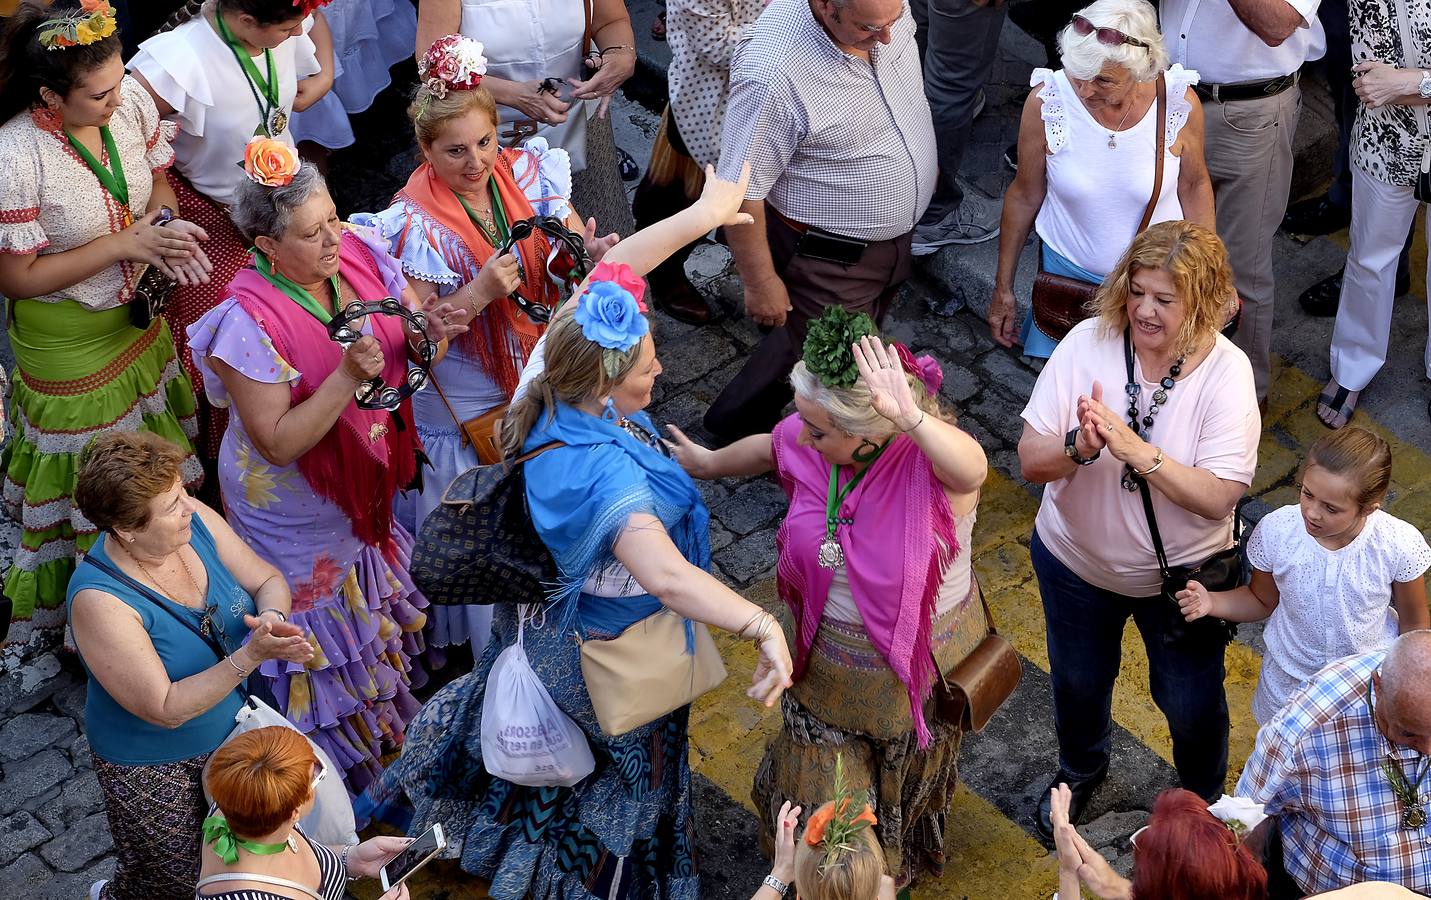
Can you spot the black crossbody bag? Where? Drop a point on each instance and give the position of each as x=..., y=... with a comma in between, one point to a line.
x=1220, y=572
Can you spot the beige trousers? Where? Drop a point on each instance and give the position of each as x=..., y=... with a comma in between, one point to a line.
x=1249, y=155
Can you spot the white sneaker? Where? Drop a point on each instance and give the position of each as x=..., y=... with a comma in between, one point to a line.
x=95, y=888
x=975, y=221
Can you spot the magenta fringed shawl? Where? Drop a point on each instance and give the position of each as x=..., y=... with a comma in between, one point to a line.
x=897, y=553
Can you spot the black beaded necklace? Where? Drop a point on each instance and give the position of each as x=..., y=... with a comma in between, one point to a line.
x=1142, y=426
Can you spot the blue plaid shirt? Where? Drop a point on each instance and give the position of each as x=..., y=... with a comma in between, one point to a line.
x=1318, y=767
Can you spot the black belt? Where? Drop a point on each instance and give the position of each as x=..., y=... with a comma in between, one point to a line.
x=1247, y=90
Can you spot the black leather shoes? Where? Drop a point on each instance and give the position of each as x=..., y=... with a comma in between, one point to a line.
x=680, y=300
x=1323, y=298
x=1316, y=215
x=1082, y=791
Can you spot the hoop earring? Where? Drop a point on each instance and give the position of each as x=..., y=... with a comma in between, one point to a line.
x=866, y=451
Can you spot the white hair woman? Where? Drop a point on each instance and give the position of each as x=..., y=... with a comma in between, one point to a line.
x=1088, y=153
x=875, y=570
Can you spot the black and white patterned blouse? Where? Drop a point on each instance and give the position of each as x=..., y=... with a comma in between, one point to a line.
x=703, y=35
x=332, y=880
x=1387, y=143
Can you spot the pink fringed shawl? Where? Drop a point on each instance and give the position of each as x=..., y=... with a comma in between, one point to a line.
x=367, y=456
x=897, y=552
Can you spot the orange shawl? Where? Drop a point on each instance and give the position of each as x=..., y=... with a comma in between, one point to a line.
x=501, y=337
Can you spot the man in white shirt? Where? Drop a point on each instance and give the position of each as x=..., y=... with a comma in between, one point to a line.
x=1248, y=53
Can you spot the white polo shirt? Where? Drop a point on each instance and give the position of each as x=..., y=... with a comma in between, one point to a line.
x=1207, y=36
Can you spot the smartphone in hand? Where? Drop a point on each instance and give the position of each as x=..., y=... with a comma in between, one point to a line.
x=414, y=857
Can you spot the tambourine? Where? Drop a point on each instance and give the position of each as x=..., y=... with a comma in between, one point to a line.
x=555, y=229
x=375, y=393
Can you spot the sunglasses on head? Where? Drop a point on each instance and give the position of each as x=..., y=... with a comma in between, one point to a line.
x=1111, y=37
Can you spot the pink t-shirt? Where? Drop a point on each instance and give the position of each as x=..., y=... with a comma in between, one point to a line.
x=1087, y=520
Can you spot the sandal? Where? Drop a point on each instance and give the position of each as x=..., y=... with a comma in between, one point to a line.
x=658, y=27
x=1334, y=410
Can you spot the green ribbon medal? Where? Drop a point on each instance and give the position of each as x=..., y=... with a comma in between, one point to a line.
x=294, y=291
x=227, y=844
x=832, y=555
x=499, y=216
x=113, y=177
x=264, y=90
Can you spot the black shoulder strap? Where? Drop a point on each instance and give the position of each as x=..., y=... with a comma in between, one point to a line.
x=145, y=592
x=1147, y=492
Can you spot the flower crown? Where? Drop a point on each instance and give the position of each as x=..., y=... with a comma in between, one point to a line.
x=452, y=63
x=269, y=162
x=827, y=352
x=833, y=826
x=93, y=22
x=611, y=313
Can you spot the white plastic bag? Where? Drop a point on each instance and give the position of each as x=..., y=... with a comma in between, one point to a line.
x=526, y=738
x=331, y=820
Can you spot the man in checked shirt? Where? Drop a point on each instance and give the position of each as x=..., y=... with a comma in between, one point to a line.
x=827, y=105
x=1342, y=771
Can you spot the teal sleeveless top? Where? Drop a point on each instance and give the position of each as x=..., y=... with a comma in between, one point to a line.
x=117, y=735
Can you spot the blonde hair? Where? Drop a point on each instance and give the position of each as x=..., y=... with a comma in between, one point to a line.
x=854, y=875
x=1356, y=454
x=574, y=373
x=430, y=113
x=849, y=408
x=1195, y=259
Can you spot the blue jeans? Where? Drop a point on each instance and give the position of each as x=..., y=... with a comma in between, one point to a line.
x=1085, y=642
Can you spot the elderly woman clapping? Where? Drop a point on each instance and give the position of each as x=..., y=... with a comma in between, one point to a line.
x=308, y=476
x=1190, y=437
x=1088, y=152
x=171, y=614
x=874, y=555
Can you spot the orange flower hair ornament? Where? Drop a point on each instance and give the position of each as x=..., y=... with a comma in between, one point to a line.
x=833, y=826
x=93, y=22
x=269, y=162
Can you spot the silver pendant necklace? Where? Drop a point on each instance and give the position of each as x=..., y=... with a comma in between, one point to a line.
x=1113, y=135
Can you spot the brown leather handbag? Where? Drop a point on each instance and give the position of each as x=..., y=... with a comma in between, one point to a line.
x=479, y=432
x=982, y=681
x=1059, y=303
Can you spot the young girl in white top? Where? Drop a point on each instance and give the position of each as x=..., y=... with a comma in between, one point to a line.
x=1334, y=575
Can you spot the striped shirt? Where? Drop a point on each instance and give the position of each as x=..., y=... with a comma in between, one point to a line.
x=332, y=880
x=1318, y=765
x=833, y=141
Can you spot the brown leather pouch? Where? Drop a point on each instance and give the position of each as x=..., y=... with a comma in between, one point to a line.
x=481, y=433
x=1059, y=303
x=982, y=681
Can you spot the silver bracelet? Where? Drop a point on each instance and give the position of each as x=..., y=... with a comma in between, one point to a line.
x=776, y=885
x=230, y=660
x=273, y=609
x=343, y=858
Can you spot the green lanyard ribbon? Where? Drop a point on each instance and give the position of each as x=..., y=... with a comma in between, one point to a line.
x=265, y=91
x=113, y=177
x=227, y=844
x=499, y=216
x=1407, y=792
x=294, y=291
x=838, y=494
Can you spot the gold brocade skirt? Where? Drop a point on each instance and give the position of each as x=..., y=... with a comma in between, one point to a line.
x=850, y=704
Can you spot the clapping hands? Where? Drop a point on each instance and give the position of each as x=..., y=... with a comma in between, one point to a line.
x=1101, y=427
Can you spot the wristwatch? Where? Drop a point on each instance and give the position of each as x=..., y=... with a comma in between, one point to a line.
x=1424, y=89
x=775, y=884
x=1070, y=449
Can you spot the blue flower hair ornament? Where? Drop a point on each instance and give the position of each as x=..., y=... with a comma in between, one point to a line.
x=611, y=316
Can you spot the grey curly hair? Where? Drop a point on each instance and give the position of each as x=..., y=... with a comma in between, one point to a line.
x=261, y=210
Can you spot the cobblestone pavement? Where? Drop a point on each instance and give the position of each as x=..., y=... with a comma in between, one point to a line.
x=53, y=837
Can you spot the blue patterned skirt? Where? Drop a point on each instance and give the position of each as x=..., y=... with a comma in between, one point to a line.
x=626, y=831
